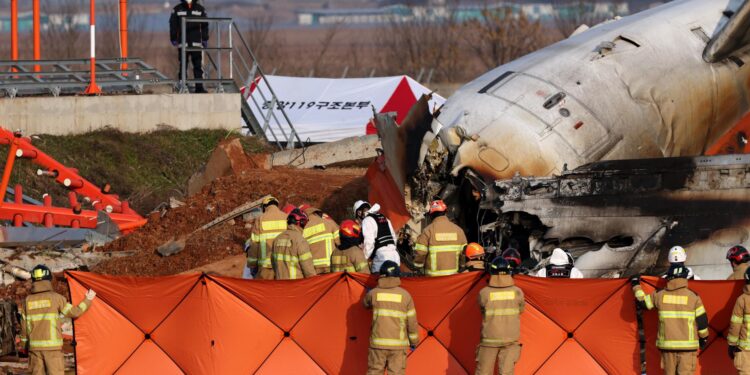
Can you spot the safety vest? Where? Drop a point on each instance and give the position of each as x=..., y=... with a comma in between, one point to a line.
x=384, y=237
x=291, y=255
x=501, y=304
x=559, y=272
x=351, y=259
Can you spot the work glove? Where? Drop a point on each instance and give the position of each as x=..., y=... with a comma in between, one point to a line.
x=90, y=295
x=635, y=280
x=174, y=43
x=732, y=350
x=205, y=44
x=702, y=342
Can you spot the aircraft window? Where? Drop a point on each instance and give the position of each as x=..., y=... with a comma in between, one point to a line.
x=495, y=82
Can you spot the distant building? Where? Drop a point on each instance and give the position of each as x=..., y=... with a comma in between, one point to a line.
x=542, y=11
x=26, y=23
x=354, y=16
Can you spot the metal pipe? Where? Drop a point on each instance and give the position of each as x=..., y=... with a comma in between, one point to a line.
x=14, y=30
x=36, y=27
x=124, y=33
x=93, y=88
x=9, y=167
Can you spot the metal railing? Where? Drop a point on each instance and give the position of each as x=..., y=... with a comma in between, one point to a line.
x=72, y=76
x=243, y=74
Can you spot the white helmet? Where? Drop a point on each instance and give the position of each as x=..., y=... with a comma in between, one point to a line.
x=559, y=257
x=359, y=204
x=677, y=255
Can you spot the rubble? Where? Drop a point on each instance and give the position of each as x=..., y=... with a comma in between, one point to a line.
x=333, y=190
x=227, y=158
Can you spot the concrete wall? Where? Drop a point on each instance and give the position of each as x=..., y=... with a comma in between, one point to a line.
x=129, y=113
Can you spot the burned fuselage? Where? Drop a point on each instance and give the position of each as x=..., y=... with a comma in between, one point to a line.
x=672, y=81
x=616, y=217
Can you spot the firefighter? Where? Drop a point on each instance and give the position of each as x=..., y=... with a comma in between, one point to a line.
x=501, y=304
x=197, y=37
x=739, y=258
x=290, y=256
x=560, y=266
x=348, y=255
x=682, y=319
x=738, y=335
x=394, y=323
x=677, y=257
x=379, y=237
x=513, y=257
x=474, y=253
x=269, y=225
x=438, y=248
x=321, y=234
x=41, y=322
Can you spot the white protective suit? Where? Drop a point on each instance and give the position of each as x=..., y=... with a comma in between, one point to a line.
x=369, y=232
x=560, y=258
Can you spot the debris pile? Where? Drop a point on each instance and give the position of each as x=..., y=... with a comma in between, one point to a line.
x=333, y=190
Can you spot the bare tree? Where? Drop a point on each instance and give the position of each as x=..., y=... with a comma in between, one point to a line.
x=325, y=45
x=64, y=36
x=570, y=14
x=501, y=35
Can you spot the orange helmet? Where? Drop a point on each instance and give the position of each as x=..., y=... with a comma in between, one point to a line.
x=438, y=206
x=474, y=250
x=350, y=228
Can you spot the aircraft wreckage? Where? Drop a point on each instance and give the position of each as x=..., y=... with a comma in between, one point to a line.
x=617, y=123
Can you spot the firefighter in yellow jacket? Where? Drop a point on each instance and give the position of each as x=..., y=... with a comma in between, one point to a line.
x=739, y=336
x=41, y=323
x=394, y=323
x=290, y=256
x=266, y=228
x=439, y=248
x=683, y=323
x=738, y=257
x=501, y=304
x=348, y=256
x=321, y=234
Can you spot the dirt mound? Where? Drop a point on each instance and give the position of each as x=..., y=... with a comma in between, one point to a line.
x=332, y=190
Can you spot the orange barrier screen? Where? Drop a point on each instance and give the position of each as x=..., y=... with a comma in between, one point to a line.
x=202, y=324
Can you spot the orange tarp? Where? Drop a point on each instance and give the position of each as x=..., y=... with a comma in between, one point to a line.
x=200, y=324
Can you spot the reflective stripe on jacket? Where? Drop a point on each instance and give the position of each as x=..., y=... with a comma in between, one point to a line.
x=350, y=260
x=439, y=248
x=291, y=257
x=501, y=304
x=266, y=228
x=682, y=317
x=739, y=327
x=394, y=319
x=320, y=235
x=41, y=317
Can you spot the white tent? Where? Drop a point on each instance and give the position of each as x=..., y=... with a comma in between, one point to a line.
x=329, y=109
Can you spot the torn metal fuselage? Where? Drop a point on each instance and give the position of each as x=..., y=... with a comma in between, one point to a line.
x=633, y=88
x=617, y=217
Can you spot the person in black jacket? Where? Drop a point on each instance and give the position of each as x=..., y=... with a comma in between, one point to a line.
x=197, y=36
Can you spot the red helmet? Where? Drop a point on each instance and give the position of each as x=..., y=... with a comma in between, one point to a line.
x=512, y=256
x=438, y=206
x=297, y=217
x=304, y=206
x=350, y=229
x=738, y=254
x=287, y=208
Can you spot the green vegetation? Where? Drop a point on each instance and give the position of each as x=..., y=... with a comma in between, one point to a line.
x=146, y=169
